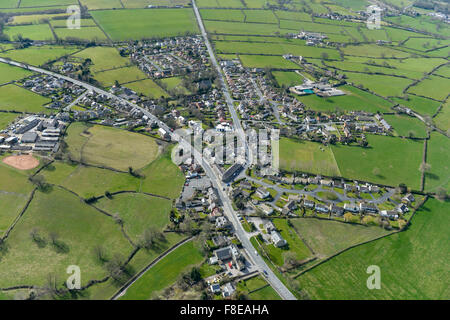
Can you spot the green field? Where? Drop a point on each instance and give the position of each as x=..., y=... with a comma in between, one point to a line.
x=329, y=237
x=32, y=32
x=307, y=156
x=164, y=273
x=111, y=147
x=138, y=211
x=102, y=4
x=396, y=159
x=6, y=119
x=438, y=153
x=148, y=88
x=175, y=84
x=407, y=126
x=421, y=105
x=377, y=83
x=79, y=227
x=122, y=75
x=412, y=264
x=355, y=99
x=85, y=33
x=38, y=55
x=271, y=62
x=9, y=73
x=442, y=119
x=14, y=98
x=103, y=58
x=138, y=24
x=287, y=78
x=433, y=87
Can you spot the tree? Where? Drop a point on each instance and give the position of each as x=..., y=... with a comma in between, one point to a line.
x=441, y=194
x=40, y=182
x=100, y=253
x=424, y=167
x=347, y=217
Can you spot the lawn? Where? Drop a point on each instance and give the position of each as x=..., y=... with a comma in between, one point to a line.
x=438, y=154
x=164, y=273
x=387, y=161
x=327, y=237
x=137, y=24
x=307, y=156
x=112, y=147
x=79, y=227
x=355, y=99
x=15, y=98
x=413, y=263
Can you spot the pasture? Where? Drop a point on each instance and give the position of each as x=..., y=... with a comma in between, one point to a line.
x=37, y=56
x=438, y=153
x=148, y=88
x=387, y=161
x=164, y=273
x=32, y=32
x=432, y=87
x=111, y=147
x=417, y=249
x=9, y=73
x=85, y=33
x=122, y=75
x=406, y=126
x=6, y=119
x=308, y=157
x=15, y=98
x=271, y=62
x=136, y=24
x=103, y=58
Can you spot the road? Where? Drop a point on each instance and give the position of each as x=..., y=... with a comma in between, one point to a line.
x=270, y=276
x=214, y=175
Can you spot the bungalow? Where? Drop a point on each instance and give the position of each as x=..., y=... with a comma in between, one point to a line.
x=351, y=208
x=228, y=290
x=322, y=208
x=325, y=182
x=336, y=210
x=268, y=210
x=368, y=207
x=409, y=198
x=262, y=193
x=223, y=254
x=402, y=208
x=290, y=206
x=393, y=215
x=277, y=239
x=308, y=204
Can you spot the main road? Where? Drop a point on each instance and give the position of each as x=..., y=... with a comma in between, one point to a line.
x=211, y=172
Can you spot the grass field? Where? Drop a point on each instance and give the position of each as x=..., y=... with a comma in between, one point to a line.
x=111, y=147
x=355, y=99
x=32, y=32
x=103, y=58
x=137, y=24
x=14, y=98
x=438, y=153
x=421, y=105
x=12, y=204
x=442, y=119
x=35, y=18
x=432, y=87
x=287, y=78
x=79, y=227
x=37, y=3
x=164, y=273
x=329, y=237
x=308, y=157
x=6, y=119
x=406, y=126
x=376, y=83
x=102, y=4
x=122, y=75
x=397, y=159
x=85, y=33
x=255, y=61
x=412, y=264
x=175, y=84
x=9, y=73
x=148, y=88
x=138, y=211
x=39, y=55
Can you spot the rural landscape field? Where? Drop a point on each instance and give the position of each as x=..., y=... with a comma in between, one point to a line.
x=224, y=150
